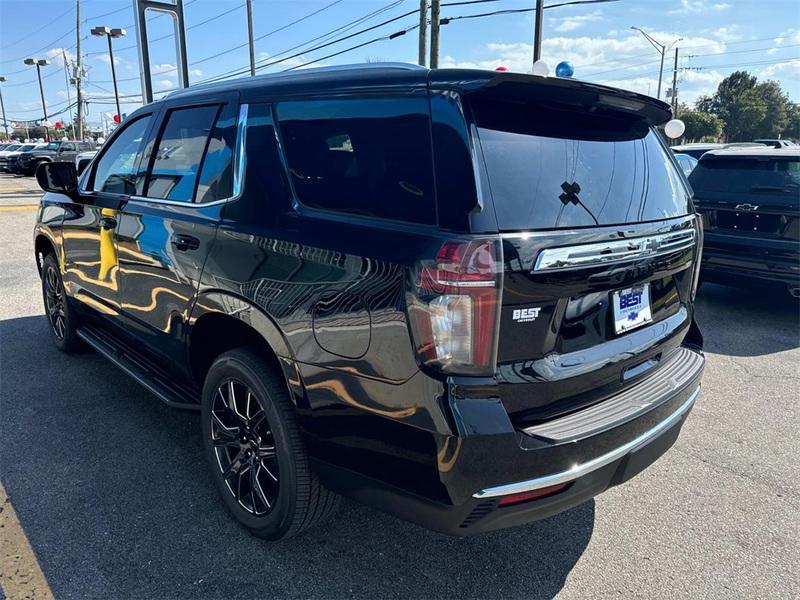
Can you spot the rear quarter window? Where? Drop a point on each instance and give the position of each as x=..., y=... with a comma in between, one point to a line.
x=369, y=157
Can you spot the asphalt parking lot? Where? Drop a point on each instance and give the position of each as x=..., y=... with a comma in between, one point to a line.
x=112, y=492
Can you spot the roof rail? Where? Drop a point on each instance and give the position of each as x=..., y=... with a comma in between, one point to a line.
x=312, y=70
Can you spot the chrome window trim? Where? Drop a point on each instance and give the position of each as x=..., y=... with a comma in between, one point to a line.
x=601, y=461
x=586, y=255
x=239, y=162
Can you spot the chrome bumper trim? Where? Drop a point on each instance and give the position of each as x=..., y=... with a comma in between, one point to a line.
x=579, y=471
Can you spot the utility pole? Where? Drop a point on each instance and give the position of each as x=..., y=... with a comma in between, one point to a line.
x=250, y=37
x=3, y=107
x=675, y=85
x=79, y=69
x=537, y=30
x=434, y=34
x=69, y=96
x=423, y=32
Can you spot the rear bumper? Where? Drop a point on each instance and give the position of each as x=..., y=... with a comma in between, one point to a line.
x=479, y=471
x=730, y=258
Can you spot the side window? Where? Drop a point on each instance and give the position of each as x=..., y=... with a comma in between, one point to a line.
x=115, y=173
x=67, y=147
x=179, y=153
x=365, y=157
x=216, y=175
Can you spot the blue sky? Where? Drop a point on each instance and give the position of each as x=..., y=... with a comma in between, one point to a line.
x=719, y=36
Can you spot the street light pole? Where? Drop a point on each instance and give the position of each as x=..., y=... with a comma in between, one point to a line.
x=3, y=107
x=111, y=33
x=39, y=63
x=662, y=49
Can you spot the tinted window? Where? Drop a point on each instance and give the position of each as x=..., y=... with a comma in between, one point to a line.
x=365, y=157
x=760, y=177
x=68, y=147
x=115, y=172
x=561, y=179
x=216, y=174
x=179, y=153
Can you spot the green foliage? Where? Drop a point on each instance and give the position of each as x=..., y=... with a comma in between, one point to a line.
x=700, y=125
x=747, y=108
x=792, y=129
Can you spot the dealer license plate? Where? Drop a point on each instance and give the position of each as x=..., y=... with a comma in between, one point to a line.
x=631, y=308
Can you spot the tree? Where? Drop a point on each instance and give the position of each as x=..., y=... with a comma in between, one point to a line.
x=792, y=129
x=700, y=125
x=748, y=109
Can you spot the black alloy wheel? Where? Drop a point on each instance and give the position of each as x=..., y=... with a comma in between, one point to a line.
x=54, y=302
x=244, y=447
x=60, y=315
x=254, y=447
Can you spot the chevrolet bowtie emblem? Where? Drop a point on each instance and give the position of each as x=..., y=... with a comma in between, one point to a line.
x=747, y=207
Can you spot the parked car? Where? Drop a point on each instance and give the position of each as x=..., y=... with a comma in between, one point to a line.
x=695, y=150
x=463, y=297
x=775, y=143
x=686, y=162
x=54, y=151
x=83, y=159
x=750, y=202
x=8, y=157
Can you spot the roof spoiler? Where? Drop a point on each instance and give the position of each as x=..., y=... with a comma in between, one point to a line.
x=570, y=94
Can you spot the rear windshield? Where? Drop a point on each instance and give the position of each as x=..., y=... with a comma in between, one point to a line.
x=564, y=171
x=760, y=176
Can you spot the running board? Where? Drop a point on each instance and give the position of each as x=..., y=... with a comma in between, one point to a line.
x=130, y=361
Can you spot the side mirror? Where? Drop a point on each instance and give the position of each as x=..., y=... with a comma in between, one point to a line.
x=59, y=178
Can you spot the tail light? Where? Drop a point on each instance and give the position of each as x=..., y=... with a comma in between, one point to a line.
x=698, y=258
x=454, y=308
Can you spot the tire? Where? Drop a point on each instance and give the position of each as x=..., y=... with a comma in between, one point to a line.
x=271, y=492
x=61, y=317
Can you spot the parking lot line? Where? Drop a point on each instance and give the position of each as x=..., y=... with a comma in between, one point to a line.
x=18, y=207
x=20, y=573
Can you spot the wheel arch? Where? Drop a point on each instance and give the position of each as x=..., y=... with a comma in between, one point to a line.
x=43, y=245
x=221, y=321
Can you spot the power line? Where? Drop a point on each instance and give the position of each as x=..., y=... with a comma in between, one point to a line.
x=389, y=37
x=45, y=26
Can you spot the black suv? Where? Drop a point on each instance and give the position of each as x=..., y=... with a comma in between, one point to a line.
x=26, y=162
x=749, y=199
x=463, y=297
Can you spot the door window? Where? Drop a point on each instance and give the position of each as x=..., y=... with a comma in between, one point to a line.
x=115, y=172
x=364, y=157
x=67, y=147
x=179, y=153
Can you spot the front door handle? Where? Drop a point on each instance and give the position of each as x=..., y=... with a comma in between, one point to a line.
x=108, y=222
x=184, y=242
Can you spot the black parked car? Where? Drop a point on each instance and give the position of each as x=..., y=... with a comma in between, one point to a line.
x=26, y=162
x=463, y=297
x=750, y=202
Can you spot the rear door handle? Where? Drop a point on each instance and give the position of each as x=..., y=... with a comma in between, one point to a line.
x=108, y=222
x=184, y=242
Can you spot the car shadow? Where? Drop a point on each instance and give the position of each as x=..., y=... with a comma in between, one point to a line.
x=114, y=495
x=739, y=316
